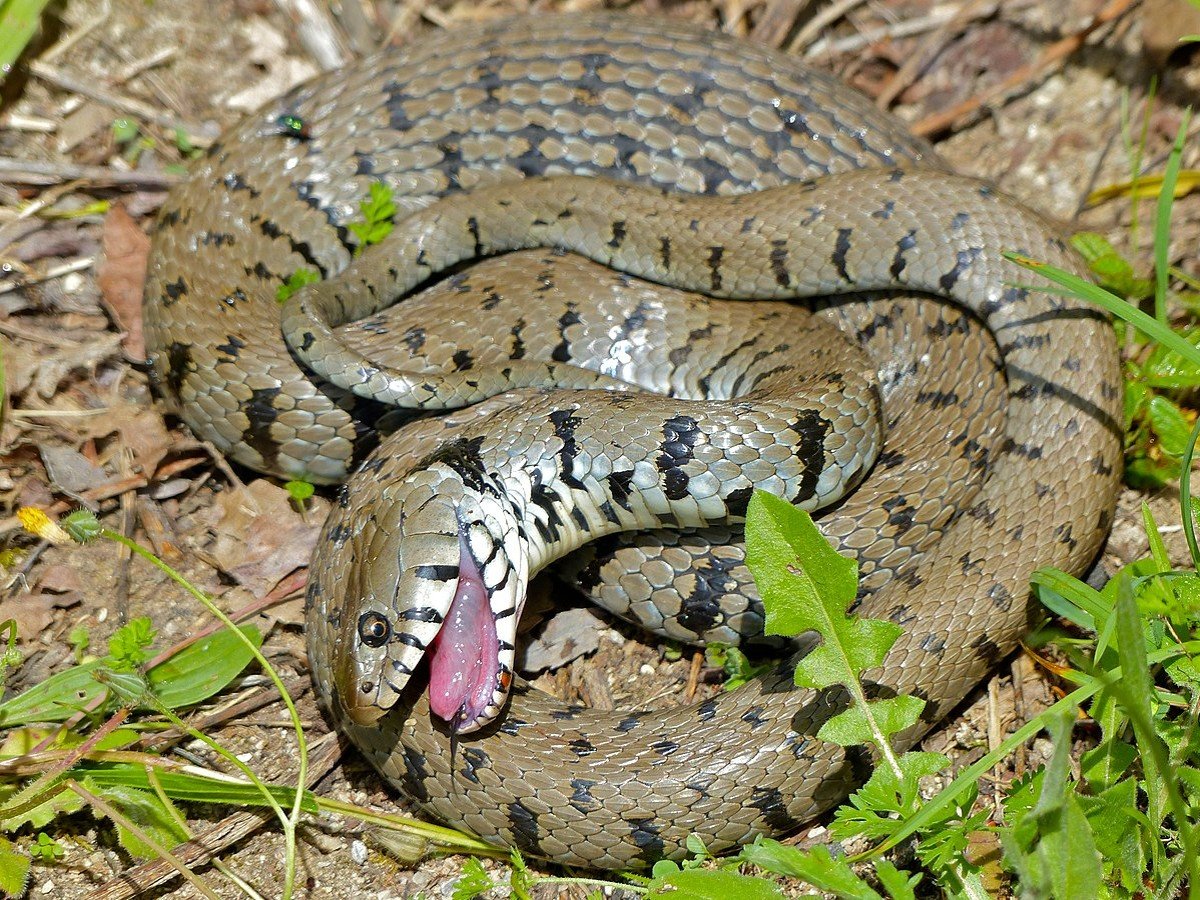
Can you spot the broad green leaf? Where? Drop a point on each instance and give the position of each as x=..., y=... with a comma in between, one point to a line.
x=1137, y=395
x=202, y=669
x=1068, y=852
x=1105, y=762
x=852, y=726
x=866, y=641
x=64, y=802
x=1168, y=370
x=14, y=869
x=1112, y=269
x=815, y=866
x=145, y=810
x=899, y=885
x=1115, y=821
x=713, y=884
x=1169, y=424
x=804, y=582
x=55, y=699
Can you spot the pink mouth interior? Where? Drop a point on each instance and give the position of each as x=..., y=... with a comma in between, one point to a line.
x=464, y=658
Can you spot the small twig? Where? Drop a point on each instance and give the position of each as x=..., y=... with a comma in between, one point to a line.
x=108, y=98
x=74, y=265
x=211, y=841
x=32, y=171
x=1051, y=56
x=317, y=32
x=930, y=47
x=18, y=122
x=820, y=22
x=907, y=28
x=79, y=33
x=693, y=681
x=777, y=21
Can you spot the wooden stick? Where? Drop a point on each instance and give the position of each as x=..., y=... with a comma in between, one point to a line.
x=1052, y=55
x=31, y=171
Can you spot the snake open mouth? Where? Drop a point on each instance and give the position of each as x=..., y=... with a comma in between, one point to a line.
x=464, y=658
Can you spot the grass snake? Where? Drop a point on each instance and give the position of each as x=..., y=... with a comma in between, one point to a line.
x=987, y=424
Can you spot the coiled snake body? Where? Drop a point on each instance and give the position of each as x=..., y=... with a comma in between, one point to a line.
x=436, y=537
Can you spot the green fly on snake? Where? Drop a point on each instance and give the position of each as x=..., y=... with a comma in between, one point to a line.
x=608, y=416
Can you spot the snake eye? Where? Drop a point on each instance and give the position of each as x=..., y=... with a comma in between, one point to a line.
x=373, y=629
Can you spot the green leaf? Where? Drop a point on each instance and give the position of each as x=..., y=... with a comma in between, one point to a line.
x=129, y=646
x=202, y=669
x=473, y=882
x=803, y=581
x=1169, y=425
x=146, y=811
x=45, y=848
x=63, y=802
x=1137, y=395
x=815, y=866
x=1166, y=369
x=295, y=281
x=1068, y=853
x=187, y=786
x=1115, y=821
x=858, y=726
x=1111, y=269
x=866, y=643
x=14, y=869
x=713, y=884
x=300, y=490
x=1080, y=287
x=1068, y=597
x=881, y=806
x=124, y=130
x=55, y=699
x=378, y=210
x=736, y=665
x=1105, y=762
x=899, y=885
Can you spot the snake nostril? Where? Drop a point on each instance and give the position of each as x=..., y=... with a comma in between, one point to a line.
x=367, y=687
x=373, y=629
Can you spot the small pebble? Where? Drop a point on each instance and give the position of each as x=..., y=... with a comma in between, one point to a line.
x=358, y=852
x=646, y=669
x=48, y=887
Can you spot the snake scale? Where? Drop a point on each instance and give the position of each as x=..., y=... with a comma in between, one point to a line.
x=998, y=450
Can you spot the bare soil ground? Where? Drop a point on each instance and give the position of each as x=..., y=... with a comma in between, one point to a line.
x=1043, y=91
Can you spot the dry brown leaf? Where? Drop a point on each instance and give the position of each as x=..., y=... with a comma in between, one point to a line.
x=70, y=471
x=35, y=612
x=261, y=537
x=121, y=276
x=50, y=370
x=142, y=431
x=58, y=578
x=568, y=635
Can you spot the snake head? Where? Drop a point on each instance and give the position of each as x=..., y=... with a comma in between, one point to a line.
x=432, y=577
